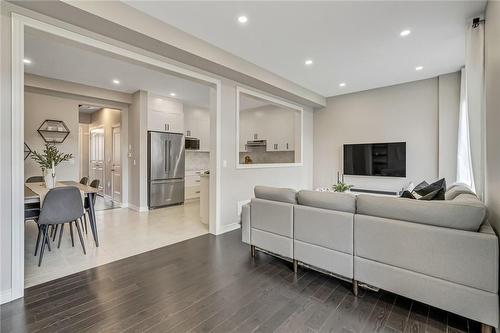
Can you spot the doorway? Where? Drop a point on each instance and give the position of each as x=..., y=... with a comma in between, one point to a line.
x=20, y=24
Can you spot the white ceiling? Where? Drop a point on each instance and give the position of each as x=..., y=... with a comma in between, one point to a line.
x=355, y=42
x=63, y=60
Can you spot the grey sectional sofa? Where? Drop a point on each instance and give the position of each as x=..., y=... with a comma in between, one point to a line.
x=442, y=253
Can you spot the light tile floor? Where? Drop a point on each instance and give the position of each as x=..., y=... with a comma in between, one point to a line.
x=122, y=233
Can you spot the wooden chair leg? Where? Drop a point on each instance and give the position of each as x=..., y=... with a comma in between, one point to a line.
x=295, y=265
x=486, y=328
x=44, y=241
x=80, y=236
x=355, y=287
x=60, y=236
x=252, y=250
x=38, y=239
x=71, y=233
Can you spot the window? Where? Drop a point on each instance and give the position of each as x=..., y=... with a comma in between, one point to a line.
x=269, y=131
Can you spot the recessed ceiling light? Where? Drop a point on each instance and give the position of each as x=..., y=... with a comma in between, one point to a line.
x=405, y=33
x=419, y=68
x=308, y=62
x=26, y=61
x=116, y=81
x=242, y=19
x=342, y=84
x=172, y=94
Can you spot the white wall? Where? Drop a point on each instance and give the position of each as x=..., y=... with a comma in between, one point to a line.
x=38, y=107
x=492, y=79
x=138, y=151
x=238, y=184
x=407, y=112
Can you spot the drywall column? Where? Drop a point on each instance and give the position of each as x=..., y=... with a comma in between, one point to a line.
x=492, y=81
x=449, y=107
x=137, y=134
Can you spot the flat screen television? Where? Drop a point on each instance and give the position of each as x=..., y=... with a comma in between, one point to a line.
x=375, y=159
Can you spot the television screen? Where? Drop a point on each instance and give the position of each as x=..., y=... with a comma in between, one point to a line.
x=375, y=159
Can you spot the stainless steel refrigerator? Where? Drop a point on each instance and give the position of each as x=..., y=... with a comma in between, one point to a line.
x=165, y=169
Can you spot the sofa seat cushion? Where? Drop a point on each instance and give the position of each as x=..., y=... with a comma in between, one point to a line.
x=287, y=195
x=465, y=212
x=463, y=257
x=345, y=202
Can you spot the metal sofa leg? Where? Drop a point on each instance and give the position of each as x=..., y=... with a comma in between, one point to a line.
x=252, y=250
x=486, y=328
x=295, y=265
x=355, y=287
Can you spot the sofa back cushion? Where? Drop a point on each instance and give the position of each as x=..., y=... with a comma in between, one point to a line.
x=287, y=195
x=272, y=216
x=464, y=212
x=344, y=202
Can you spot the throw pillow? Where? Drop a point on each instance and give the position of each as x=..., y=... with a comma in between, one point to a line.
x=434, y=195
x=424, y=190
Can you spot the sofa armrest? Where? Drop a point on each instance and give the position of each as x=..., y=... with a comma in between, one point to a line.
x=464, y=257
x=245, y=223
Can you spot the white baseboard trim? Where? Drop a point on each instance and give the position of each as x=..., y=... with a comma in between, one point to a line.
x=228, y=227
x=138, y=209
x=6, y=296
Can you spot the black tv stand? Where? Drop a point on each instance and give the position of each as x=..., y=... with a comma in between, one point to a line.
x=361, y=190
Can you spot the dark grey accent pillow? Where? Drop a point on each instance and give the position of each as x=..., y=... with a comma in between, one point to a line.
x=424, y=191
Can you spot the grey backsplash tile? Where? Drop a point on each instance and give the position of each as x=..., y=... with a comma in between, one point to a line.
x=269, y=156
x=196, y=160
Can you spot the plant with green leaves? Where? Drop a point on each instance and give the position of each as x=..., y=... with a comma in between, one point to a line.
x=342, y=187
x=50, y=156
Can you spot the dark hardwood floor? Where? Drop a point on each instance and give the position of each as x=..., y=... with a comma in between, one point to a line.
x=211, y=284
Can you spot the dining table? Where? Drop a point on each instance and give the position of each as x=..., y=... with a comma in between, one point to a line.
x=32, y=201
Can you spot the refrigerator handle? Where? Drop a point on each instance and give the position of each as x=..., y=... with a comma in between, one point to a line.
x=167, y=156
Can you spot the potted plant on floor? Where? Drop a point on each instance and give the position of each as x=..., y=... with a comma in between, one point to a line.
x=48, y=160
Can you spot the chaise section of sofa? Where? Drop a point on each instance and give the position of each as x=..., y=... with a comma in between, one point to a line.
x=442, y=253
x=323, y=231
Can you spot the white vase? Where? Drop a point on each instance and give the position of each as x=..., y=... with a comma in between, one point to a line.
x=50, y=179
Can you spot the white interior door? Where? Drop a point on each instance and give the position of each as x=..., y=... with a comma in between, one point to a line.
x=97, y=156
x=116, y=169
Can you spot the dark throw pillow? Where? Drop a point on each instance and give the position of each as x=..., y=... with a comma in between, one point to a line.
x=407, y=194
x=434, y=195
x=424, y=191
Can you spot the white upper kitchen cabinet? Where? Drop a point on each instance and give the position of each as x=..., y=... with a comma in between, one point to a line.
x=197, y=125
x=165, y=114
x=275, y=125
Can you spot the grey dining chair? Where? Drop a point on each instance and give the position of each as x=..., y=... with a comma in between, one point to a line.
x=84, y=180
x=95, y=184
x=61, y=205
x=35, y=179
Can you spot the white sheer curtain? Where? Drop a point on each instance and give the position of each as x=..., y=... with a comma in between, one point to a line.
x=471, y=133
x=464, y=160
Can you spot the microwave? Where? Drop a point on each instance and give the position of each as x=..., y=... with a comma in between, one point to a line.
x=192, y=143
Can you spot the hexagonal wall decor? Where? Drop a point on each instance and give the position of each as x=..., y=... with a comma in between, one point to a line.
x=27, y=151
x=53, y=131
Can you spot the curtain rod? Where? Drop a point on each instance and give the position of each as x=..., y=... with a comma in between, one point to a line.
x=476, y=21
